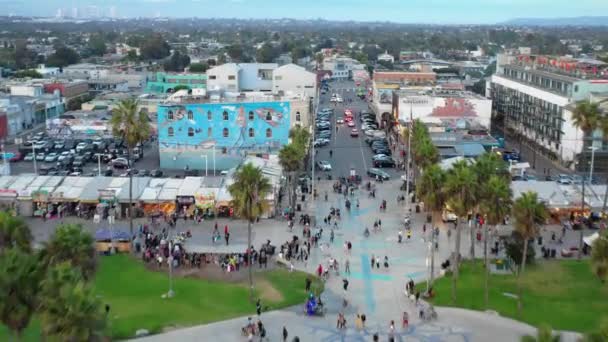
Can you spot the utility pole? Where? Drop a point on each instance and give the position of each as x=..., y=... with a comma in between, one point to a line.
x=409, y=152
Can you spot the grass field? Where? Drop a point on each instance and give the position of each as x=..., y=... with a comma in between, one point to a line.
x=134, y=295
x=564, y=294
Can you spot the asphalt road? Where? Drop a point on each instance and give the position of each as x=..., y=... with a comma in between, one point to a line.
x=348, y=152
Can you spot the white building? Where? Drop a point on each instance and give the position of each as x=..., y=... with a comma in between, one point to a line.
x=342, y=67
x=261, y=77
x=386, y=57
x=34, y=90
x=86, y=71
x=47, y=71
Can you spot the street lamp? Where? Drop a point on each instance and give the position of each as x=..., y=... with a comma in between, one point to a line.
x=592, y=148
x=34, y=152
x=206, y=160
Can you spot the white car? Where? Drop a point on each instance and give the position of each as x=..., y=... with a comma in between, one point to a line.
x=351, y=124
x=51, y=157
x=339, y=100
x=368, y=132
x=339, y=121
x=324, y=165
x=81, y=146
x=448, y=216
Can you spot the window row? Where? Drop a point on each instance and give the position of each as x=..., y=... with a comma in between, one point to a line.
x=225, y=116
x=225, y=132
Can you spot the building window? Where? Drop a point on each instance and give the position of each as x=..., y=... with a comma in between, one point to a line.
x=190, y=115
x=268, y=116
x=225, y=132
x=190, y=132
x=298, y=116
x=209, y=115
x=170, y=115
x=170, y=132
x=251, y=133
x=268, y=133
x=251, y=115
x=575, y=88
x=225, y=115
x=212, y=77
x=224, y=150
x=231, y=77
x=209, y=132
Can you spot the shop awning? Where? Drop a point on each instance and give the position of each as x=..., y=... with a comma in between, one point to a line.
x=70, y=189
x=150, y=195
x=91, y=193
x=189, y=186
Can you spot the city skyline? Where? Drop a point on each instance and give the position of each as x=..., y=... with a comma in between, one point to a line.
x=414, y=11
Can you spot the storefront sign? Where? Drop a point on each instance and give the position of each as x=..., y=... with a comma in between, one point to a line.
x=107, y=194
x=205, y=200
x=40, y=196
x=8, y=193
x=185, y=200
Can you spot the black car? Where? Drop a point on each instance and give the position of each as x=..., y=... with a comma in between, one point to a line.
x=156, y=173
x=89, y=156
x=382, y=150
x=371, y=140
x=384, y=162
x=45, y=170
x=143, y=173
x=379, y=145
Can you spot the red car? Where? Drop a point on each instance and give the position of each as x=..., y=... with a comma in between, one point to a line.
x=17, y=156
x=354, y=132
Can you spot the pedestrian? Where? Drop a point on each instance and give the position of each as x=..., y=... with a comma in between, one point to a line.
x=308, y=282
x=331, y=236
x=349, y=246
x=347, y=267
x=285, y=334
x=345, y=284
x=385, y=261
x=363, y=320
x=258, y=307
x=405, y=322
x=227, y=237
x=379, y=224
x=400, y=237
x=358, y=324
x=391, y=329
x=373, y=261
x=417, y=297
x=378, y=262
x=375, y=337
x=449, y=234
x=320, y=270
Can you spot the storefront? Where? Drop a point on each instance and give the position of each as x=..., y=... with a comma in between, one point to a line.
x=23, y=203
x=184, y=198
x=204, y=199
x=121, y=187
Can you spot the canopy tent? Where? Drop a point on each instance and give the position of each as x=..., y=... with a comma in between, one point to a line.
x=120, y=186
x=223, y=197
x=20, y=185
x=150, y=195
x=105, y=234
x=91, y=193
x=549, y=192
x=190, y=185
x=591, y=238
x=448, y=163
x=6, y=181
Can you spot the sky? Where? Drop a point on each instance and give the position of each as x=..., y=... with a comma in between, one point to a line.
x=402, y=11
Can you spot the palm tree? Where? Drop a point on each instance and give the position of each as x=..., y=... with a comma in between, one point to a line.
x=71, y=243
x=14, y=233
x=19, y=278
x=461, y=191
x=544, y=333
x=425, y=153
x=529, y=213
x=248, y=193
x=586, y=117
x=431, y=192
x=290, y=158
x=69, y=308
x=133, y=127
x=599, y=256
x=485, y=167
x=496, y=204
x=299, y=136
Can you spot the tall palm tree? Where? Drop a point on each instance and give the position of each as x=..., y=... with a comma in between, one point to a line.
x=544, y=333
x=69, y=308
x=529, y=214
x=14, y=232
x=461, y=191
x=599, y=256
x=485, y=166
x=586, y=117
x=248, y=193
x=19, y=278
x=431, y=191
x=425, y=153
x=300, y=136
x=133, y=127
x=290, y=158
x=70, y=242
x=495, y=206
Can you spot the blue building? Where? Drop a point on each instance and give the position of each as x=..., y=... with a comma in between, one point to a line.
x=220, y=135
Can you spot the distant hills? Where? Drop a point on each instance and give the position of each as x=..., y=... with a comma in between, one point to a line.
x=573, y=21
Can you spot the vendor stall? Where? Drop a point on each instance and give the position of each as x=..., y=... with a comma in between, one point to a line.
x=121, y=187
x=204, y=199
x=185, y=197
x=23, y=198
x=8, y=197
x=104, y=238
x=67, y=193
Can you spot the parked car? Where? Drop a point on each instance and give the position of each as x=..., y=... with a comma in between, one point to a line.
x=375, y=172
x=321, y=142
x=79, y=161
x=354, y=132
x=564, y=179
x=40, y=156
x=17, y=156
x=156, y=173
x=323, y=165
x=384, y=162
x=29, y=157
x=144, y=173
x=339, y=120
x=120, y=163
x=448, y=216
x=81, y=146
x=59, y=145
x=51, y=157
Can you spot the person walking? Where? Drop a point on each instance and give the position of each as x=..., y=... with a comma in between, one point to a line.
x=405, y=322
x=285, y=334
x=373, y=261
x=347, y=267
x=331, y=236
x=308, y=282
x=258, y=307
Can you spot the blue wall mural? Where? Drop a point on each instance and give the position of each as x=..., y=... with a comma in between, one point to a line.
x=220, y=133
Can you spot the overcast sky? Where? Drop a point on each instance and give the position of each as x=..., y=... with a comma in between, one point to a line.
x=407, y=11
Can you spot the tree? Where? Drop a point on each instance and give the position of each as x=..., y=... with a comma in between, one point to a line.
x=431, y=192
x=14, y=233
x=319, y=59
x=19, y=278
x=290, y=158
x=31, y=73
x=529, y=213
x=248, y=193
x=71, y=243
x=599, y=256
x=155, y=47
x=425, y=153
x=133, y=127
x=599, y=335
x=235, y=51
x=69, y=308
x=97, y=45
x=544, y=333
x=266, y=54
x=24, y=57
x=299, y=52
x=586, y=117
x=495, y=205
x=177, y=62
x=63, y=56
x=198, y=67
x=461, y=191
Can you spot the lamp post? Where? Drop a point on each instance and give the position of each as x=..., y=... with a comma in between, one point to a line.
x=34, y=152
x=592, y=148
x=206, y=161
x=170, y=293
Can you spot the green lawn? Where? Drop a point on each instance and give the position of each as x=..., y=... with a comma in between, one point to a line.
x=564, y=294
x=134, y=295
